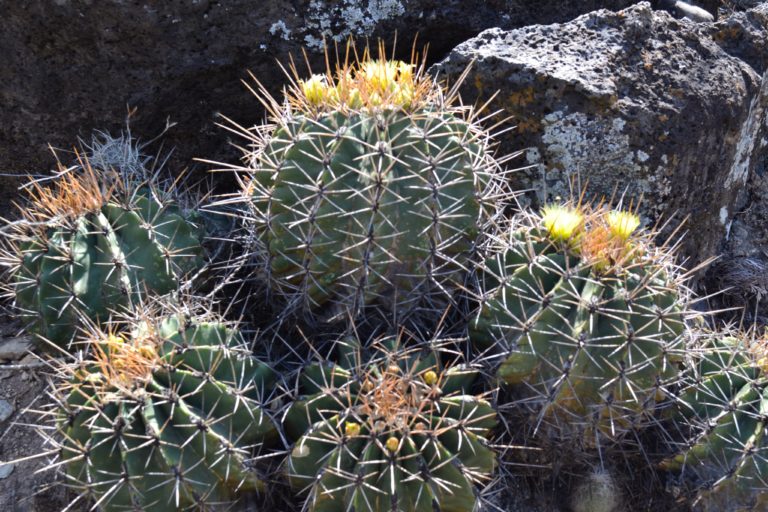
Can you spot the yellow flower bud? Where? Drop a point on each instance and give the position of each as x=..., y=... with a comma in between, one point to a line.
x=351, y=428
x=430, y=378
x=392, y=444
x=405, y=71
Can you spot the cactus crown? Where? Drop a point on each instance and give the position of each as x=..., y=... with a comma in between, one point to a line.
x=125, y=364
x=606, y=238
x=365, y=84
x=73, y=194
x=393, y=397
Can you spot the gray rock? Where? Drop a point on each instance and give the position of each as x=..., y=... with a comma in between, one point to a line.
x=6, y=410
x=13, y=349
x=632, y=102
x=742, y=273
x=6, y=470
x=69, y=67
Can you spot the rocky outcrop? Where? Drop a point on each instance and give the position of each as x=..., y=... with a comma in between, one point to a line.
x=69, y=66
x=633, y=103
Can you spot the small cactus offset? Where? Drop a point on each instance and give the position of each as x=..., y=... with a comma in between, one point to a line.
x=400, y=433
x=164, y=418
x=726, y=405
x=92, y=243
x=370, y=187
x=584, y=314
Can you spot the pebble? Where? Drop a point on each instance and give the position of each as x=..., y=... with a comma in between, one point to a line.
x=6, y=470
x=13, y=349
x=6, y=410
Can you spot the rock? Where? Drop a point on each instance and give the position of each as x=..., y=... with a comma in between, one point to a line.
x=632, y=103
x=742, y=273
x=72, y=66
x=6, y=470
x=13, y=349
x=6, y=410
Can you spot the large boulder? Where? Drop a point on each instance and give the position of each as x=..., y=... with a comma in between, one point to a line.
x=69, y=66
x=633, y=103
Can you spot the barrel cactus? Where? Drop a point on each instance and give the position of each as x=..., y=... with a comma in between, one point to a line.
x=725, y=404
x=91, y=243
x=401, y=433
x=370, y=187
x=586, y=315
x=166, y=417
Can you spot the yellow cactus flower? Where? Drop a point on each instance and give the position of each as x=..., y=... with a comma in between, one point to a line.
x=353, y=98
x=405, y=72
x=430, y=378
x=380, y=74
x=315, y=89
x=622, y=224
x=351, y=428
x=392, y=444
x=562, y=222
x=403, y=95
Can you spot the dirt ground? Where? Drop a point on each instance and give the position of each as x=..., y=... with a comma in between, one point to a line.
x=29, y=486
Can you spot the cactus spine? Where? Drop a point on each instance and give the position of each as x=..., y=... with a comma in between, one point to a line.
x=92, y=244
x=400, y=433
x=165, y=418
x=371, y=187
x=585, y=315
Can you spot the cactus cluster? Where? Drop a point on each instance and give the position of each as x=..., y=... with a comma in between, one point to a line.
x=371, y=187
x=586, y=315
x=92, y=244
x=372, y=194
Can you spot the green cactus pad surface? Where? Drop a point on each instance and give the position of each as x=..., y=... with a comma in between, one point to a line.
x=166, y=419
x=97, y=251
x=584, y=317
x=726, y=406
x=401, y=433
x=362, y=195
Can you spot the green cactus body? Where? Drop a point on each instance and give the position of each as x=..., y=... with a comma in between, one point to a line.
x=99, y=261
x=167, y=419
x=363, y=203
x=726, y=404
x=401, y=435
x=589, y=341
